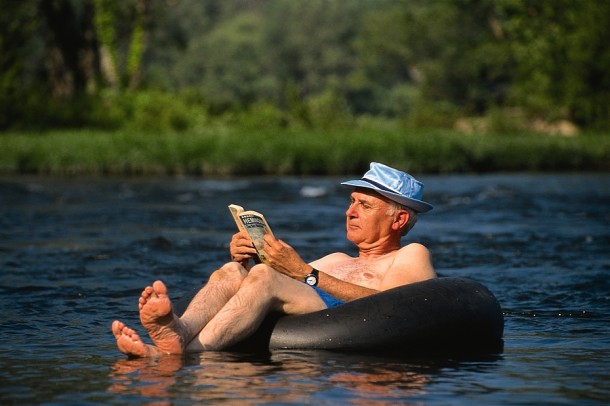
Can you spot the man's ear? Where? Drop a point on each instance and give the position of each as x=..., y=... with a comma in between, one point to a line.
x=400, y=219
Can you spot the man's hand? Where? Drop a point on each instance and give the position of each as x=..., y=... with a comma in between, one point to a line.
x=241, y=248
x=283, y=258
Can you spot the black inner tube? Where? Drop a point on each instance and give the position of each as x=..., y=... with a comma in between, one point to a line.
x=438, y=315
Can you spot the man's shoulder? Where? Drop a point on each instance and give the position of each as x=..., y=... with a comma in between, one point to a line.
x=413, y=252
x=414, y=246
x=412, y=263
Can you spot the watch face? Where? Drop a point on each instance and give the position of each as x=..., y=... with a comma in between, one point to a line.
x=311, y=280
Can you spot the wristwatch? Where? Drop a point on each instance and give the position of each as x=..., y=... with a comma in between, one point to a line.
x=312, y=278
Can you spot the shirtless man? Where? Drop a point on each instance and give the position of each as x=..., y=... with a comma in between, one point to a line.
x=237, y=298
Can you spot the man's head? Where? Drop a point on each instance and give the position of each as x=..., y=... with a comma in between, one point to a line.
x=390, y=199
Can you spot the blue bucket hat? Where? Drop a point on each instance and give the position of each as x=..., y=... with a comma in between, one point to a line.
x=396, y=185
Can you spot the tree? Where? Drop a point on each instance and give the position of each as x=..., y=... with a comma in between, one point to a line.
x=17, y=26
x=561, y=57
x=446, y=50
x=231, y=63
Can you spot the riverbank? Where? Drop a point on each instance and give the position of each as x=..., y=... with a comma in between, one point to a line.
x=295, y=152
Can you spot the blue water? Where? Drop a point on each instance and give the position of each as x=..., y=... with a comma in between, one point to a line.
x=75, y=254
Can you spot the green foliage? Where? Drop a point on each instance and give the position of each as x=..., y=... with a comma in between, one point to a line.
x=136, y=46
x=313, y=64
x=163, y=112
x=561, y=57
x=327, y=110
x=303, y=152
x=258, y=116
x=104, y=21
x=309, y=42
x=16, y=27
x=230, y=64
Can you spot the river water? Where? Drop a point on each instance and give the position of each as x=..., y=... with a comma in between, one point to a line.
x=75, y=254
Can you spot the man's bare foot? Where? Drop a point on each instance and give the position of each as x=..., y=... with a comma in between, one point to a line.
x=129, y=341
x=157, y=317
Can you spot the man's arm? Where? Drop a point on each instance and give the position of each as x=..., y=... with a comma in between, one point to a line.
x=411, y=264
x=283, y=258
x=341, y=289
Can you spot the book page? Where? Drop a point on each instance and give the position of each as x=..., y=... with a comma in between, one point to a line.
x=254, y=224
x=235, y=212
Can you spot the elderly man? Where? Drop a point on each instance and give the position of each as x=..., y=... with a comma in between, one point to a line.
x=237, y=298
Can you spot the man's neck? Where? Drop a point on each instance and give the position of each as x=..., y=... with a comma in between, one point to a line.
x=377, y=251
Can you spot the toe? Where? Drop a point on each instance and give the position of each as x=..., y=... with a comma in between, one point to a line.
x=160, y=288
x=117, y=326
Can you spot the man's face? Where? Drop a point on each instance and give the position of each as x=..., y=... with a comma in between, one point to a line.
x=367, y=219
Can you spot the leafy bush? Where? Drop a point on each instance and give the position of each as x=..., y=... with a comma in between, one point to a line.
x=164, y=112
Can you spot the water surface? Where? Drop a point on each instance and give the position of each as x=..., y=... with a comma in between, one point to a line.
x=75, y=254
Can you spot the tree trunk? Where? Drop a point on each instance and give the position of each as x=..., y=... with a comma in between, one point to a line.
x=70, y=59
x=139, y=41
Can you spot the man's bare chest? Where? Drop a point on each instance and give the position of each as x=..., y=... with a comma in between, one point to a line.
x=364, y=273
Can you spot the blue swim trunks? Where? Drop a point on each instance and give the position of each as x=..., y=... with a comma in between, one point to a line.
x=327, y=298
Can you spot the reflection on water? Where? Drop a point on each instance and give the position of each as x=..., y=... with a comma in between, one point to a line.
x=150, y=379
x=283, y=377
x=75, y=254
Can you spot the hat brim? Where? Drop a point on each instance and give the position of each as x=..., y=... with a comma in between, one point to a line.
x=415, y=204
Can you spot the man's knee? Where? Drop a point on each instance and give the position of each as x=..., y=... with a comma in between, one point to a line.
x=232, y=271
x=260, y=275
x=281, y=292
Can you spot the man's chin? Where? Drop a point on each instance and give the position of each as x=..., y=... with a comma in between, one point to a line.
x=352, y=235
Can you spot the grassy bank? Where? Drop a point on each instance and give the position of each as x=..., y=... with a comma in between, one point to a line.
x=307, y=152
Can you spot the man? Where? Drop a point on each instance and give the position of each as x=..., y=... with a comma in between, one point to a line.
x=237, y=298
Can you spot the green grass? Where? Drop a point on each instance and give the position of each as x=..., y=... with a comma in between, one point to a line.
x=295, y=152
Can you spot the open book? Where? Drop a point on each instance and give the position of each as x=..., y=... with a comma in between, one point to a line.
x=255, y=225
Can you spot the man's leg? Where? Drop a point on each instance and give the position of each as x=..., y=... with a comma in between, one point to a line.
x=262, y=291
x=220, y=288
x=168, y=332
